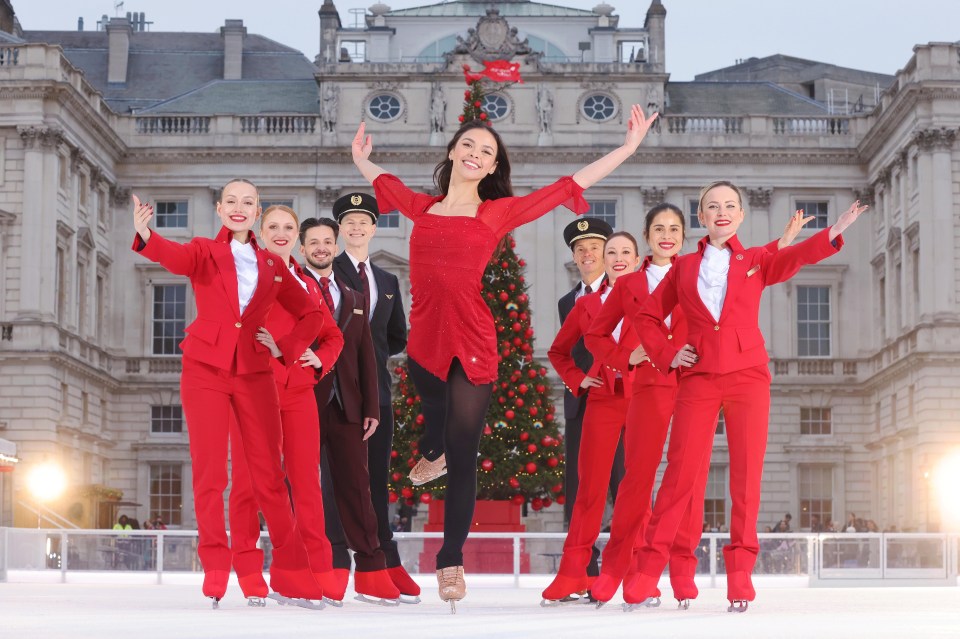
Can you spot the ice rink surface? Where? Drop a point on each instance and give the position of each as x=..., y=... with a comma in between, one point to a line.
x=108, y=606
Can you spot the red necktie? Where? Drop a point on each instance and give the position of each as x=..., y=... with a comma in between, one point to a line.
x=365, y=283
x=325, y=291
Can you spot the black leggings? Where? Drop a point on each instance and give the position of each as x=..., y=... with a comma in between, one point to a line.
x=454, y=412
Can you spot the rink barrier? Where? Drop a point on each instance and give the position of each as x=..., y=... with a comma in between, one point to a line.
x=824, y=559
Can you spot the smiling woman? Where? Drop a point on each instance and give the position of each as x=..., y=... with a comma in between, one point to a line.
x=452, y=342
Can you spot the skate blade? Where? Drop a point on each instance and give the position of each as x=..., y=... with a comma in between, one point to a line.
x=336, y=603
x=566, y=601
x=390, y=603
x=738, y=605
x=256, y=602
x=215, y=603
x=453, y=606
x=409, y=599
x=300, y=603
x=649, y=602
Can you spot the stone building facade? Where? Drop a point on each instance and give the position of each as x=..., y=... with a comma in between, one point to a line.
x=864, y=346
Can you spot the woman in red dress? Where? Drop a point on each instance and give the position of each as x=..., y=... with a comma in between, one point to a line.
x=608, y=381
x=724, y=365
x=453, y=345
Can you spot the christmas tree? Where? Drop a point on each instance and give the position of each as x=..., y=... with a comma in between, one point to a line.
x=521, y=452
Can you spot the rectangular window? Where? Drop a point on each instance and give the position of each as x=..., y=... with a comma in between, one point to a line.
x=166, y=419
x=389, y=220
x=815, y=421
x=817, y=209
x=166, y=492
x=605, y=210
x=84, y=190
x=171, y=214
x=815, y=489
x=100, y=308
x=85, y=404
x=813, y=321
x=693, y=221
x=60, y=284
x=169, y=318
x=715, y=498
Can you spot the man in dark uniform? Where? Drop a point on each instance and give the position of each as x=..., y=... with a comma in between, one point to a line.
x=357, y=214
x=585, y=236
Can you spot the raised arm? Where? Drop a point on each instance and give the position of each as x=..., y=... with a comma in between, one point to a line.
x=847, y=218
x=637, y=127
x=794, y=225
x=179, y=259
x=362, y=147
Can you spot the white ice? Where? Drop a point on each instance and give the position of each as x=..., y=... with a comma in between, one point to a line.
x=37, y=606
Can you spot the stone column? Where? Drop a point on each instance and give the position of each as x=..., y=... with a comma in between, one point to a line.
x=938, y=253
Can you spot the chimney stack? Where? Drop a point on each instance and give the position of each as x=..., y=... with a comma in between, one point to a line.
x=233, y=33
x=118, y=49
x=656, y=28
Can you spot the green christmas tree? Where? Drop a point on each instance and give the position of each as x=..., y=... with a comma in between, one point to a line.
x=521, y=452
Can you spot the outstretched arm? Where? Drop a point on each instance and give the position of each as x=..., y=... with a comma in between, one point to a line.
x=846, y=218
x=637, y=128
x=362, y=147
x=794, y=225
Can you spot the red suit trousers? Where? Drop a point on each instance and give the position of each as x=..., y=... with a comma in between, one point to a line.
x=603, y=422
x=300, y=425
x=744, y=396
x=209, y=396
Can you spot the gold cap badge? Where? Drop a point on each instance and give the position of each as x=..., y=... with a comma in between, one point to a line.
x=583, y=225
x=356, y=200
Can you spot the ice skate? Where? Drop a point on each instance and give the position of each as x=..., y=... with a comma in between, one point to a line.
x=565, y=590
x=309, y=604
x=295, y=588
x=333, y=583
x=641, y=592
x=740, y=591
x=426, y=471
x=684, y=591
x=738, y=605
x=375, y=587
x=603, y=589
x=254, y=589
x=452, y=586
x=215, y=586
x=409, y=590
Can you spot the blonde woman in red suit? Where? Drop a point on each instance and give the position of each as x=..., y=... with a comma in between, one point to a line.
x=651, y=407
x=225, y=369
x=279, y=228
x=722, y=365
x=603, y=419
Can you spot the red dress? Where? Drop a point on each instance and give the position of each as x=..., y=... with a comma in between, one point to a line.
x=448, y=255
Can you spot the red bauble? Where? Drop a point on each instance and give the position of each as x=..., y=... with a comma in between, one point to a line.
x=419, y=419
x=518, y=500
x=394, y=454
x=531, y=448
x=533, y=411
x=461, y=118
x=504, y=265
x=519, y=402
x=504, y=297
x=523, y=388
x=407, y=492
x=487, y=430
x=466, y=94
x=514, y=482
x=502, y=399
x=512, y=287
x=509, y=414
x=398, y=370
x=557, y=489
x=397, y=476
x=522, y=298
x=486, y=465
x=548, y=417
x=477, y=104
x=501, y=329
x=532, y=374
x=510, y=393
x=536, y=503
x=411, y=462
x=531, y=468
x=505, y=353
x=553, y=462
x=516, y=327
x=397, y=412
x=483, y=116
x=522, y=262
x=409, y=401
x=517, y=341
x=408, y=502
x=426, y=498
x=528, y=333
x=543, y=371
x=513, y=315
x=392, y=497
x=547, y=502
x=503, y=385
x=546, y=440
x=524, y=436
x=561, y=499
x=523, y=317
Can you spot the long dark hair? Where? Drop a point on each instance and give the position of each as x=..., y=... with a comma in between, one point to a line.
x=657, y=210
x=493, y=186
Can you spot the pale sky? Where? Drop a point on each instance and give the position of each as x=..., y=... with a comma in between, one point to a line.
x=702, y=35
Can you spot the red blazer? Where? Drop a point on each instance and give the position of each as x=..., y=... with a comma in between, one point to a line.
x=221, y=336
x=734, y=342
x=328, y=344
x=629, y=294
x=575, y=327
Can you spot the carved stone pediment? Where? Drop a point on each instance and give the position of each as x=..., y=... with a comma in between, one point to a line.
x=492, y=39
